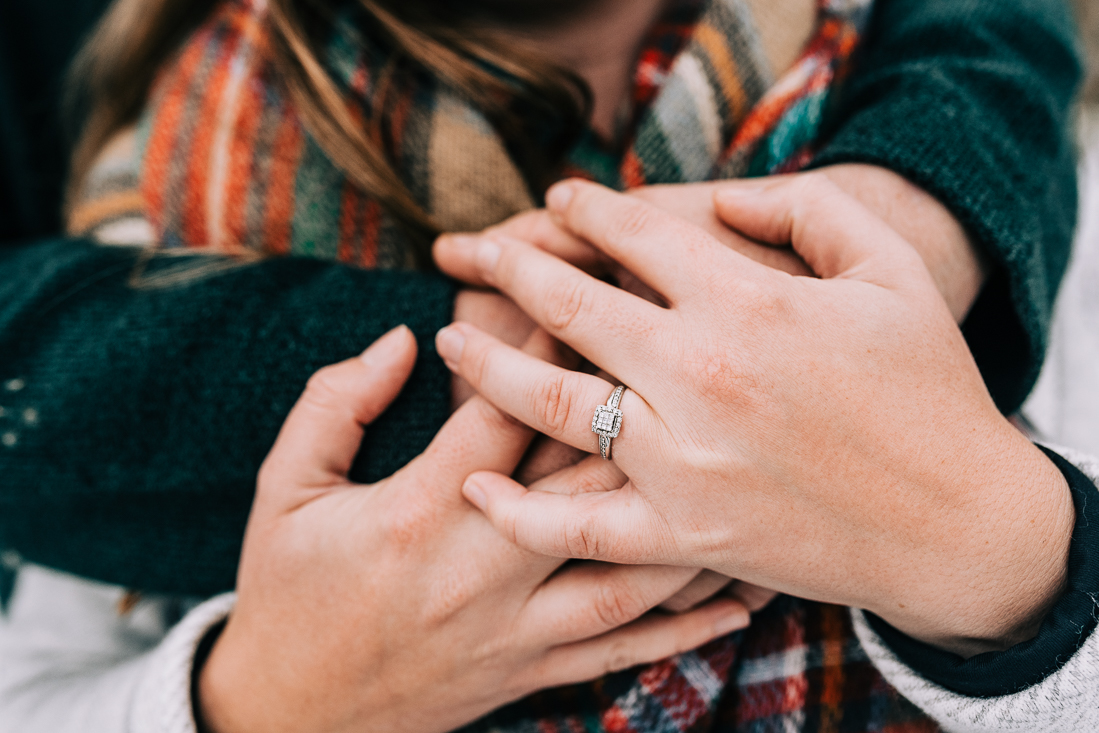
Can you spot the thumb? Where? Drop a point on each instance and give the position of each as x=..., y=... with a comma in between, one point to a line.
x=832, y=231
x=324, y=431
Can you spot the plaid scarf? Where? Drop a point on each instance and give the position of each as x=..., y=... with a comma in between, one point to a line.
x=222, y=161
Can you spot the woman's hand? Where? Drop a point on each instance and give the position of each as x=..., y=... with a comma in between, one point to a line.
x=831, y=438
x=397, y=607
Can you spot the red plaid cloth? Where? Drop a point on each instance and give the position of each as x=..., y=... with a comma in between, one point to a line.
x=798, y=669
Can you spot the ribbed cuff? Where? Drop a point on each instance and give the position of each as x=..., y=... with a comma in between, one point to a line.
x=164, y=702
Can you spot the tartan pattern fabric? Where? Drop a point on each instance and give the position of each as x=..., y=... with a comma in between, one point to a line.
x=797, y=669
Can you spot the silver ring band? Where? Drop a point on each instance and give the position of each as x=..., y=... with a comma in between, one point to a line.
x=607, y=422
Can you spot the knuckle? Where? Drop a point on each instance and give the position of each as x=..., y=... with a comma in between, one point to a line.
x=813, y=183
x=476, y=362
x=756, y=305
x=630, y=222
x=616, y=605
x=718, y=375
x=816, y=189
x=449, y=595
x=554, y=404
x=589, y=483
x=323, y=388
x=408, y=523
x=581, y=539
x=565, y=301
x=621, y=655
x=496, y=421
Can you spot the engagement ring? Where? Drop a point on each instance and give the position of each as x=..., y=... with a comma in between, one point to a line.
x=607, y=422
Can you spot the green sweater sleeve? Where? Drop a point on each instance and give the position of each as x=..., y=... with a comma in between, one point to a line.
x=134, y=419
x=132, y=422
x=972, y=100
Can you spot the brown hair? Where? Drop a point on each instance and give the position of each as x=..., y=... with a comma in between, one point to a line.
x=457, y=45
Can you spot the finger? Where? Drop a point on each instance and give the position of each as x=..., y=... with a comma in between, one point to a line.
x=664, y=251
x=832, y=231
x=324, y=430
x=754, y=597
x=610, y=327
x=554, y=401
x=649, y=639
x=613, y=526
x=455, y=254
x=704, y=586
x=478, y=436
x=695, y=203
x=589, y=599
x=589, y=476
x=545, y=457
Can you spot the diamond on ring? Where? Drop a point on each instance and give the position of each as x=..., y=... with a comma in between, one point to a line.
x=607, y=422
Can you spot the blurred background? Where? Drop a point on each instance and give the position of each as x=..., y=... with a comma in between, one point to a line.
x=1088, y=12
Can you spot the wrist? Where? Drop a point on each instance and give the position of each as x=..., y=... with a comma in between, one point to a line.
x=221, y=701
x=1008, y=566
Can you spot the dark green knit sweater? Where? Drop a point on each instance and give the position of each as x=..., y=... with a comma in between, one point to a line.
x=136, y=419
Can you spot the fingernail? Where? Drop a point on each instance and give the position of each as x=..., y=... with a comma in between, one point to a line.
x=559, y=196
x=474, y=494
x=450, y=342
x=387, y=348
x=736, y=621
x=488, y=254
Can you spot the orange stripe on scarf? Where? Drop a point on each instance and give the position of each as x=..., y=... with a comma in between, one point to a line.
x=241, y=156
x=278, y=228
x=160, y=150
x=194, y=221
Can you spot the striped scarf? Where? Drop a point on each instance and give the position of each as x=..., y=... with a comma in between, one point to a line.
x=221, y=161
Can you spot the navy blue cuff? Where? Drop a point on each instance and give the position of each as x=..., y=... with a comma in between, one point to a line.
x=1063, y=632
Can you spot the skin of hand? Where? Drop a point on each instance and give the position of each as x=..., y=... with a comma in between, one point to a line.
x=397, y=607
x=499, y=316
x=955, y=264
x=830, y=438
x=958, y=268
